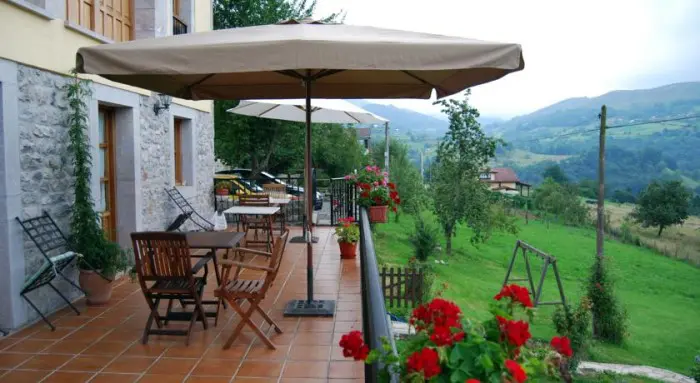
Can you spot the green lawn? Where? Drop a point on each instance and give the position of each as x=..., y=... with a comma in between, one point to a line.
x=662, y=295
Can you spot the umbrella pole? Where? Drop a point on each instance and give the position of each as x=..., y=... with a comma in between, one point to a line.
x=309, y=306
x=308, y=189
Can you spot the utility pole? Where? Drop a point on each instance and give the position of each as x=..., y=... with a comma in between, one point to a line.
x=386, y=152
x=601, y=185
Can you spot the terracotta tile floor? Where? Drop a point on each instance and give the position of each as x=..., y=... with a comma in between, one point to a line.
x=103, y=344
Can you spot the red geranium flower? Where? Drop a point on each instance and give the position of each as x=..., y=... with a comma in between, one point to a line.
x=354, y=346
x=562, y=345
x=517, y=294
x=438, y=312
x=517, y=332
x=425, y=362
x=443, y=336
x=472, y=381
x=516, y=371
x=392, y=186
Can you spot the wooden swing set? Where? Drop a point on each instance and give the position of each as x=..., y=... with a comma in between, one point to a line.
x=549, y=260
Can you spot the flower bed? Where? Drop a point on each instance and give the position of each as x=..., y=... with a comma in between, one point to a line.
x=448, y=347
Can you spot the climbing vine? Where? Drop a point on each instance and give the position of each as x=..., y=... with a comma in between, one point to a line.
x=87, y=237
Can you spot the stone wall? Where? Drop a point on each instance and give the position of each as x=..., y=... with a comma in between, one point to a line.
x=46, y=171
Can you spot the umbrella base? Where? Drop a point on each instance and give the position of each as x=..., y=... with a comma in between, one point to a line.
x=305, y=308
x=302, y=239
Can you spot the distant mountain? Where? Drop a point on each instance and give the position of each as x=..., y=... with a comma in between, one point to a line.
x=406, y=120
x=635, y=155
x=624, y=106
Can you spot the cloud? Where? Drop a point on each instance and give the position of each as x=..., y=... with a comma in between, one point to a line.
x=572, y=49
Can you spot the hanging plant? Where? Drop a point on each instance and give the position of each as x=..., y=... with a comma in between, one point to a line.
x=87, y=238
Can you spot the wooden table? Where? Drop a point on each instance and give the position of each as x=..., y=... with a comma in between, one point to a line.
x=268, y=212
x=282, y=203
x=213, y=241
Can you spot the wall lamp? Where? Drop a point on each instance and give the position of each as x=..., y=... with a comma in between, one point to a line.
x=162, y=103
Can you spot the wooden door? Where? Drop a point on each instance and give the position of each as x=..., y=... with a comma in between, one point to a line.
x=107, y=205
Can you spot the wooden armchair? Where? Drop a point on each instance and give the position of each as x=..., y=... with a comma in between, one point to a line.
x=236, y=290
x=164, y=269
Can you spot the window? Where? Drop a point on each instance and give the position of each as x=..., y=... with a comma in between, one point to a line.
x=82, y=13
x=105, y=168
x=115, y=17
x=110, y=18
x=177, y=151
x=179, y=25
x=176, y=8
x=485, y=176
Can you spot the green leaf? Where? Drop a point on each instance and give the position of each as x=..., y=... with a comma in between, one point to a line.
x=486, y=362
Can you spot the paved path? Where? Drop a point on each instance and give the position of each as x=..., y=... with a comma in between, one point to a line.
x=623, y=369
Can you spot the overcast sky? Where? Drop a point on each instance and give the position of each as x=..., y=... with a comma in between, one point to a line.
x=571, y=48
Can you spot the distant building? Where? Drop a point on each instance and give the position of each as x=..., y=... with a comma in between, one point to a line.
x=364, y=135
x=505, y=180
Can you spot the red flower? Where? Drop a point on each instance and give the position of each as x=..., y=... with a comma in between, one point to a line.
x=354, y=346
x=426, y=362
x=517, y=332
x=517, y=294
x=392, y=186
x=443, y=336
x=439, y=312
x=472, y=381
x=364, y=194
x=516, y=371
x=562, y=345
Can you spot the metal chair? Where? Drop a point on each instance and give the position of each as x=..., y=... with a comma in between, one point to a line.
x=165, y=272
x=188, y=212
x=54, y=246
x=235, y=291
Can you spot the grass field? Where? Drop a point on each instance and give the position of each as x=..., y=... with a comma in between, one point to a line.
x=680, y=241
x=661, y=295
x=526, y=158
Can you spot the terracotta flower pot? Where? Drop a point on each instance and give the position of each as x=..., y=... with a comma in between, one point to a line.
x=98, y=291
x=348, y=250
x=378, y=214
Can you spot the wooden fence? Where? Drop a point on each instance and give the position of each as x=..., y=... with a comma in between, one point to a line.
x=403, y=287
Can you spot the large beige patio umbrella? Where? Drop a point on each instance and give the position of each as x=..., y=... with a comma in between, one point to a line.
x=303, y=59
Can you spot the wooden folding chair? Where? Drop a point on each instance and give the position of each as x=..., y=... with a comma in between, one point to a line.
x=164, y=270
x=237, y=290
x=255, y=224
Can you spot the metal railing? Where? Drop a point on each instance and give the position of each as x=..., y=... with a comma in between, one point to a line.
x=179, y=28
x=375, y=321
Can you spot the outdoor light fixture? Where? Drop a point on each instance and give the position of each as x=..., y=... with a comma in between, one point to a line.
x=162, y=103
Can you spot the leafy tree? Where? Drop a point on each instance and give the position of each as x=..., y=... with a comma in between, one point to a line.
x=404, y=174
x=695, y=206
x=562, y=201
x=462, y=155
x=335, y=149
x=624, y=196
x=262, y=144
x=662, y=204
x=588, y=188
x=555, y=173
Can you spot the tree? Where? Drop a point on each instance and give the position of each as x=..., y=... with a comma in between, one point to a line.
x=262, y=144
x=562, y=201
x=662, y=204
x=624, y=196
x=403, y=173
x=556, y=173
x=459, y=196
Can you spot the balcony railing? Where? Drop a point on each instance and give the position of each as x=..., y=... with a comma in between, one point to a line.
x=375, y=321
x=179, y=28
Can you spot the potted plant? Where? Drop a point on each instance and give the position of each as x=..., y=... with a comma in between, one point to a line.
x=348, y=233
x=376, y=194
x=99, y=259
x=222, y=187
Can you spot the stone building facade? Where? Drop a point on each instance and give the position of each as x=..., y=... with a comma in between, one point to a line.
x=36, y=172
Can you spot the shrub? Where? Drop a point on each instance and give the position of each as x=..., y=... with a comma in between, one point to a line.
x=561, y=201
x=424, y=239
x=609, y=318
x=575, y=324
x=695, y=369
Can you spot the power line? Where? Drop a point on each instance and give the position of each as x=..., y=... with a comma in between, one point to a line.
x=611, y=127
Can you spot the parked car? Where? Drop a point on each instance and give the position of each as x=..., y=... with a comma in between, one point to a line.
x=265, y=177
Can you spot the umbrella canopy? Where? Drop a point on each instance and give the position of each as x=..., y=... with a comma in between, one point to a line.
x=322, y=111
x=307, y=59
x=269, y=61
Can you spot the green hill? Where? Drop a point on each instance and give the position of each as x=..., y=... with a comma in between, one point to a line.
x=636, y=154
